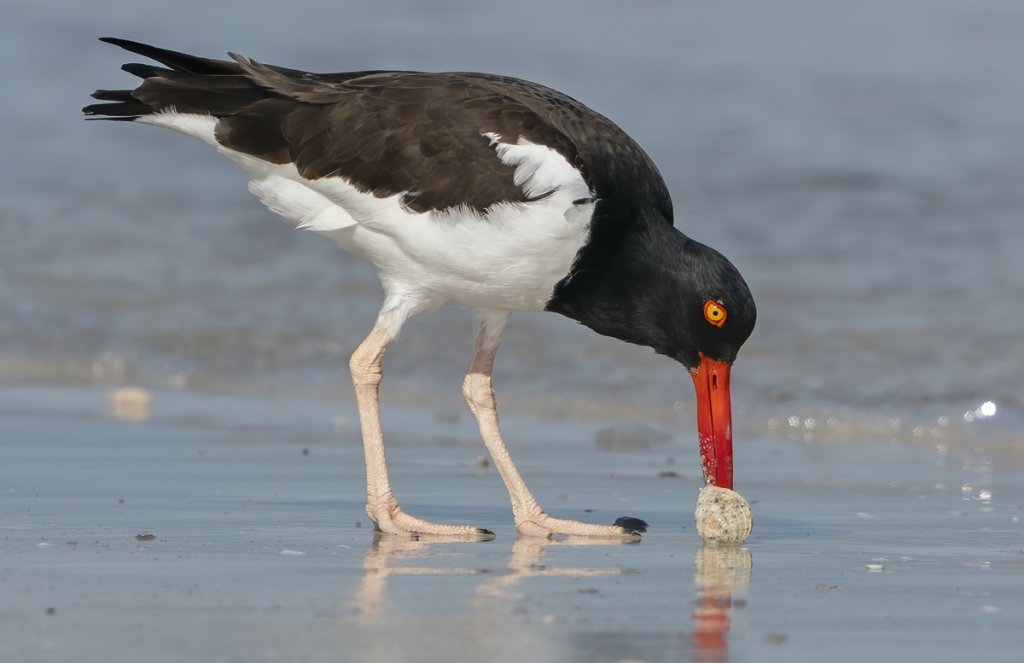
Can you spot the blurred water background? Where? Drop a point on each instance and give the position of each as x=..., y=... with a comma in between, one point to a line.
x=861, y=163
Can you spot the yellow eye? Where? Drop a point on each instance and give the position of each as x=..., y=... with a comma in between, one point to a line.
x=714, y=313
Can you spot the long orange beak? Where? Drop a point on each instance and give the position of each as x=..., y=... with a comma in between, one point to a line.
x=714, y=421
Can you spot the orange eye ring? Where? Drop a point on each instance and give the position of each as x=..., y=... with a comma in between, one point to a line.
x=715, y=313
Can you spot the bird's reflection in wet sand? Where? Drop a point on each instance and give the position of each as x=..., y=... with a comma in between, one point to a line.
x=494, y=620
x=721, y=575
x=391, y=556
x=396, y=556
x=527, y=561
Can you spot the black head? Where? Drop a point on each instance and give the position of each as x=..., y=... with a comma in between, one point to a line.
x=716, y=312
x=659, y=288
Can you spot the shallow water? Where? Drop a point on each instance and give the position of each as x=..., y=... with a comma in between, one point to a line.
x=859, y=162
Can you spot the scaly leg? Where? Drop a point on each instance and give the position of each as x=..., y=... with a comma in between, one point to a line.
x=381, y=504
x=530, y=519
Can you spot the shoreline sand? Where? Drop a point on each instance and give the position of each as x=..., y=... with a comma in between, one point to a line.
x=261, y=550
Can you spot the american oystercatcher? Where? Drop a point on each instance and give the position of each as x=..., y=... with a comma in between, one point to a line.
x=493, y=192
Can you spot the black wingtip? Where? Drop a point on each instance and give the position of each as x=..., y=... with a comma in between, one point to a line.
x=126, y=44
x=112, y=95
x=189, y=64
x=142, y=70
x=632, y=524
x=114, y=110
x=127, y=118
x=158, y=54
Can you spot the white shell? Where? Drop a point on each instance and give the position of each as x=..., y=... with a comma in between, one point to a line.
x=723, y=516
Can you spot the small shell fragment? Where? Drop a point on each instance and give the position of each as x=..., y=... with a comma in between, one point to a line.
x=723, y=516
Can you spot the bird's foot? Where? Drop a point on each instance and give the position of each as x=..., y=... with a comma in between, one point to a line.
x=390, y=519
x=543, y=525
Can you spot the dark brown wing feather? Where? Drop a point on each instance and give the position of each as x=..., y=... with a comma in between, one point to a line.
x=390, y=132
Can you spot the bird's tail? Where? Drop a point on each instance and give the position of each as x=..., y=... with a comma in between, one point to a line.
x=186, y=84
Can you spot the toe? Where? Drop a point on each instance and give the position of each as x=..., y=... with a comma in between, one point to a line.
x=632, y=524
x=546, y=526
x=393, y=520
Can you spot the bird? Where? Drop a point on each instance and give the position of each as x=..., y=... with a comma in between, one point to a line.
x=488, y=191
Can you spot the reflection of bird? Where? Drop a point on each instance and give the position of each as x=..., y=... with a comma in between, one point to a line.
x=488, y=191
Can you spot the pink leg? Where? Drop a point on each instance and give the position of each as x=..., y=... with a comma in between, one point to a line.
x=530, y=519
x=381, y=504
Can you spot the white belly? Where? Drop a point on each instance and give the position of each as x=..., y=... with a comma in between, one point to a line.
x=509, y=259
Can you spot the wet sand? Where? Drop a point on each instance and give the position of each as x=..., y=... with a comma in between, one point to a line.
x=260, y=550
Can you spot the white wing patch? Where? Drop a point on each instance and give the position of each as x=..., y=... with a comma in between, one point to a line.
x=539, y=170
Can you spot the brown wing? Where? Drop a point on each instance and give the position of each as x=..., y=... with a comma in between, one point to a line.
x=391, y=132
